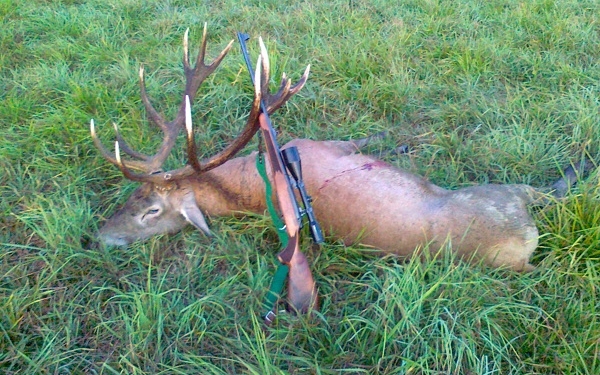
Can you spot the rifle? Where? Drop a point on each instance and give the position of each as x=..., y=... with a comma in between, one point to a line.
x=301, y=286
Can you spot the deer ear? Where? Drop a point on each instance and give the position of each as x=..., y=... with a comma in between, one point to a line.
x=190, y=210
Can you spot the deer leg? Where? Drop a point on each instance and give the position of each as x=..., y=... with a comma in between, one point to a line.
x=363, y=142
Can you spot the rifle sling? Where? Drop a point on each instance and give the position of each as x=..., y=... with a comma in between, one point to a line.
x=277, y=222
x=282, y=271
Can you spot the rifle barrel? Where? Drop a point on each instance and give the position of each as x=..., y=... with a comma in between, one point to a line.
x=243, y=38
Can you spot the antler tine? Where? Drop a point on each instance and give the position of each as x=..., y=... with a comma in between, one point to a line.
x=109, y=156
x=266, y=70
x=196, y=75
x=286, y=90
x=152, y=113
x=191, y=142
x=300, y=84
x=125, y=147
x=126, y=172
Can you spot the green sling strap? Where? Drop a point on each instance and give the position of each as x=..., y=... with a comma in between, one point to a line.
x=282, y=271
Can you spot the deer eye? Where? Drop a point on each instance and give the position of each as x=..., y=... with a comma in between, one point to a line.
x=150, y=213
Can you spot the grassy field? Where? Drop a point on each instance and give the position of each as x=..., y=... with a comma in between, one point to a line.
x=502, y=91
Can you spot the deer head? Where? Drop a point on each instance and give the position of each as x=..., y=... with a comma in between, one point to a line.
x=165, y=202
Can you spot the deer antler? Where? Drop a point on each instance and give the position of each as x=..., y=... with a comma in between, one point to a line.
x=150, y=165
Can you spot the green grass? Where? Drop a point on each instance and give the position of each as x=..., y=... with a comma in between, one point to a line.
x=501, y=91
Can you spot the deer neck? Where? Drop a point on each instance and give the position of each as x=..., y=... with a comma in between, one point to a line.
x=230, y=188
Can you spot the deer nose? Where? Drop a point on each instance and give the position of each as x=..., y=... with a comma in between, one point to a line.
x=111, y=240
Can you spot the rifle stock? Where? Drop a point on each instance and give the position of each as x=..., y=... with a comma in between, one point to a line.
x=302, y=289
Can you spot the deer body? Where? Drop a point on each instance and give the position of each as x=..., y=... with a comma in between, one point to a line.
x=356, y=198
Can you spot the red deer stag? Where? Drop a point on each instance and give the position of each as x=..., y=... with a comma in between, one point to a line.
x=355, y=197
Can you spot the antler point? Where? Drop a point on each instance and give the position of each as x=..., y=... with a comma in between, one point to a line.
x=118, y=153
x=306, y=71
x=257, y=75
x=188, y=116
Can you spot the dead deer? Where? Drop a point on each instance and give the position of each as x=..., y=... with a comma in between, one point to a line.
x=356, y=197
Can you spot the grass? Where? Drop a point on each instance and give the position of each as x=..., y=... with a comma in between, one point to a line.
x=501, y=91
